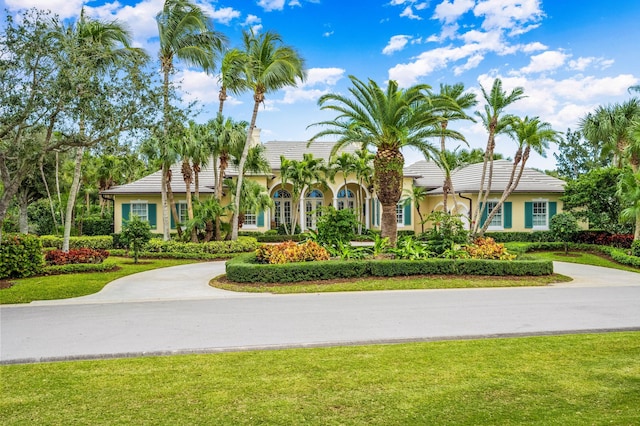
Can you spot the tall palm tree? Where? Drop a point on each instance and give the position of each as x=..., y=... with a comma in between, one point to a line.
x=529, y=134
x=87, y=49
x=496, y=122
x=269, y=66
x=386, y=121
x=344, y=163
x=231, y=78
x=186, y=33
x=454, y=102
x=364, y=170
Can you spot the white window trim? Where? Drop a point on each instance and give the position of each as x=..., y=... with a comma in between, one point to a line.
x=496, y=227
x=145, y=202
x=538, y=227
x=400, y=220
x=250, y=226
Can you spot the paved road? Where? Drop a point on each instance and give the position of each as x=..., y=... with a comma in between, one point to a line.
x=209, y=320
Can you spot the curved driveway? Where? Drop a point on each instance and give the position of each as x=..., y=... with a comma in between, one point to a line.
x=173, y=310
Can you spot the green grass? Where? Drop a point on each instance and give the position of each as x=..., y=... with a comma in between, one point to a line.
x=395, y=283
x=51, y=287
x=559, y=380
x=583, y=258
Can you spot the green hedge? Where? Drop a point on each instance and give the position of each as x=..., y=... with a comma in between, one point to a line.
x=529, y=237
x=20, y=256
x=102, y=242
x=622, y=256
x=242, y=244
x=244, y=269
x=169, y=255
x=80, y=267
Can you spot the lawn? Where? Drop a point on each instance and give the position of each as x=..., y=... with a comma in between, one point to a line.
x=568, y=380
x=396, y=283
x=51, y=287
x=583, y=258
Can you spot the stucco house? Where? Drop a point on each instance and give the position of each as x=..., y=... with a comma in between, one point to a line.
x=529, y=208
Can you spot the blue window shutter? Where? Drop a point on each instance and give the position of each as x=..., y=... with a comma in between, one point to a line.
x=553, y=209
x=151, y=211
x=484, y=216
x=507, y=215
x=378, y=207
x=173, y=222
x=261, y=218
x=528, y=215
x=126, y=213
x=407, y=214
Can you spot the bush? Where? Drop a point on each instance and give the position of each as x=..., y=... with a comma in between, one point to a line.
x=245, y=268
x=530, y=237
x=73, y=268
x=564, y=227
x=635, y=248
x=242, y=244
x=487, y=248
x=274, y=238
x=291, y=252
x=74, y=256
x=20, y=256
x=135, y=234
x=335, y=226
x=96, y=225
x=104, y=242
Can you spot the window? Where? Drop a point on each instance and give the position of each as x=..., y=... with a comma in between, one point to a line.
x=400, y=213
x=346, y=199
x=313, y=208
x=540, y=214
x=282, y=207
x=250, y=218
x=141, y=210
x=183, y=214
x=496, y=221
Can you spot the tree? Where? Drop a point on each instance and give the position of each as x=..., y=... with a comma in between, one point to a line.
x=230, y=79
x=344, y=163
x=386, y=121
x=364, y=171
x=186, y=33
x=301, y=175
x=564, y=227
x=529, y=133
x=135, y=234
x=629, y=193
x=88, y=50
x=454, y=102
x=269, y=66
x=577, y=156
x=496, y=122
x=592, y=198
x=417, y=195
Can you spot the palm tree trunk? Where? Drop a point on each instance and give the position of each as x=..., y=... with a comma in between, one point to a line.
x=482, y=195
x=164, y=188
x=258, y=98
x=174, y=210
x=387, y=178
x=389, y=223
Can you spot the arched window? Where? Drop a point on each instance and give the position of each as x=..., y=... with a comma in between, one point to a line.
x=282, y=207
x=346, y=199
x=313, y=207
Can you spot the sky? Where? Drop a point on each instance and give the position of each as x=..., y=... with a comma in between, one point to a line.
x=569, y=56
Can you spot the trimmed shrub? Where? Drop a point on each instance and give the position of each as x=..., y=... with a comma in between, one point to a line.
x=274, y=238
x=96, y=225
x=635, y=248
x=102, y=242
x=74, y=268
x=245, y=268
x=487, y=248
x=75, y=256
x=242, y=244
x=20, y=256
x=508, y=237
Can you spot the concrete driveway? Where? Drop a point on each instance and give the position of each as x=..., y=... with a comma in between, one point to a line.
x=172, y=311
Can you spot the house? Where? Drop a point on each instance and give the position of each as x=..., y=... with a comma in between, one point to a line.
x=530, y=207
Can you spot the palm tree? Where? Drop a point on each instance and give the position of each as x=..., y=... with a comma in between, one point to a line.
x=387, y=121
x=417, y=195
x=300, y=175
x=629, y=192
x=269, y=65
x=494, y=120
x=186, y=33
x=86, y=51
x=364, y=171
x=230, y=79
x=454, y=102
x=344, y=163
x=187, y=146
x=529, y=133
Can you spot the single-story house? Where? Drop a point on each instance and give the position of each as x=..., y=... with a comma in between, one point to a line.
x=530, y=207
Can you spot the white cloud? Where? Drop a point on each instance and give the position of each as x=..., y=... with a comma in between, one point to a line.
x=254, y=22
x=293, y=3
x=533, y=47
x=408, y=13
x=224, y=15
x=197, y=86
x=270, y=5
x=471, y=63
x=64, y=8
x=319, y=82
x=450, y=11
x=396, y=43
x=583, y=63
x=508, y=14
x=545, y=61
x=327, y=34
x=328, y=76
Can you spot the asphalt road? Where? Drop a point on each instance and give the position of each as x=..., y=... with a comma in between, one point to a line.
x=51, y=332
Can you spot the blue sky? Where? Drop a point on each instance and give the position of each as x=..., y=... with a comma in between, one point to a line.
x=570, y=56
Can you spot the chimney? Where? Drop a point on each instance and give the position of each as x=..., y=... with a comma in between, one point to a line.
x=255, y=137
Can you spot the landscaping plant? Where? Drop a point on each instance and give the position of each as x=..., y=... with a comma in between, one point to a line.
x=135, y=234
x=564, y=227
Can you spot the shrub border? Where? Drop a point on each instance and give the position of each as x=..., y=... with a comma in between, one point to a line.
x=622, y=256
x=244, y=269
